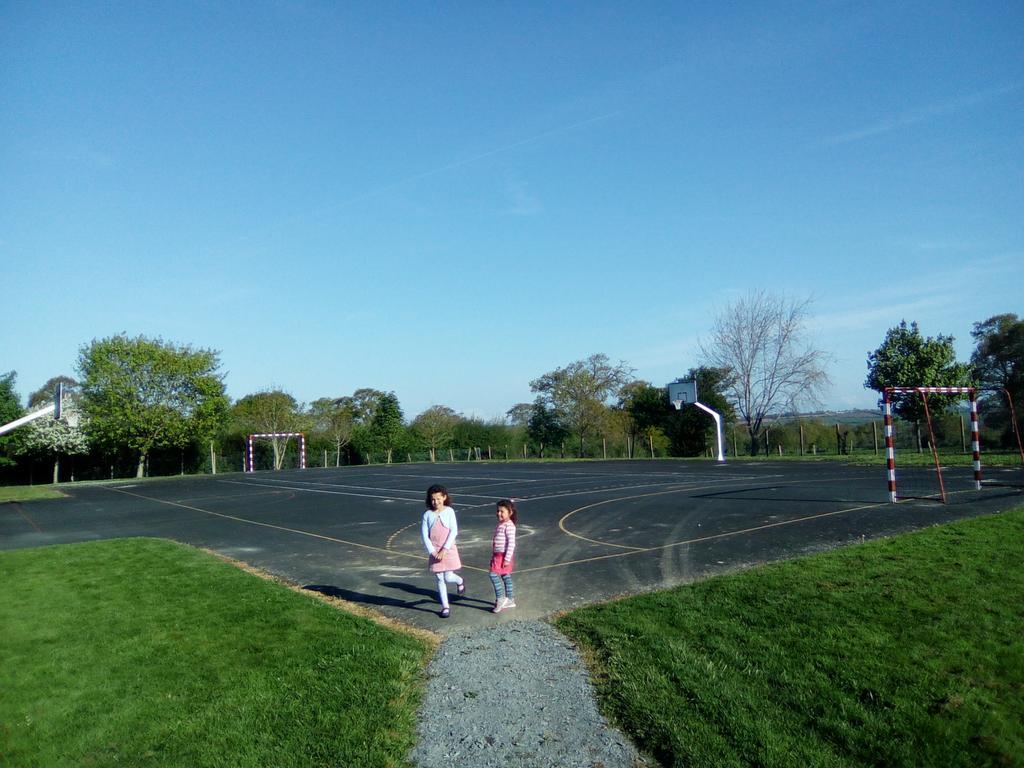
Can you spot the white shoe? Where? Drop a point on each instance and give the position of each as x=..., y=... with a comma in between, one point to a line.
x=500, y=605
x=509, y=603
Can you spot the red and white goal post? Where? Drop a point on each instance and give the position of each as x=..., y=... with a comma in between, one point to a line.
x=971, y=394
x=250, y=453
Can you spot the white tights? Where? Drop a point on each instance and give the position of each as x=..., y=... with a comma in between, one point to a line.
x=442, y=589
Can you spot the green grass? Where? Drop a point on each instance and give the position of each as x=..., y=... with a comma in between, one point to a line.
x=28, y=493
x=142, y=652
x=902, y=652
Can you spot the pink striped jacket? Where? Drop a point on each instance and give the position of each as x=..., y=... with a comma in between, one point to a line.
x=504, y=542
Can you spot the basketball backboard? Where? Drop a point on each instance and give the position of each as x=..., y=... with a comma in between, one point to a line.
x=682, y=392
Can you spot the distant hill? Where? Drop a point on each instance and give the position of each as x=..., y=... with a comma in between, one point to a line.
x=854, y=416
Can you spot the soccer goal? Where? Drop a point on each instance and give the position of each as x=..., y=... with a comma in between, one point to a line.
x=250, y=453
x=934, y=478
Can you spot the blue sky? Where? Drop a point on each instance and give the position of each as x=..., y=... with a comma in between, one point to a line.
x=449, y=200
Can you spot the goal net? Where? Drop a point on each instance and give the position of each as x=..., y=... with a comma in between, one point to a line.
x=939, y=455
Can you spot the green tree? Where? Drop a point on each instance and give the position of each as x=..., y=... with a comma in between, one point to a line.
x=579, y=392
x=363, y=404
x=519, y=414
x=44, y=395
x=643, y=409
x=545, y=427
x=386, y=432
x=270, y=412
x=51, y=439
x=10, y=410
x=760, y=339
x=998, y=363
x=141, y=394
x=691, y=430
x=908, y=359
x=333, y=418
x=435, y=427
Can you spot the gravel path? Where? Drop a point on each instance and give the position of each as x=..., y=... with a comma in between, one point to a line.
x=515, y=694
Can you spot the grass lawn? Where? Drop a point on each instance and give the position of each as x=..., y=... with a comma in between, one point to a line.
x=28, y=493
x=143, y=652
x=901, y=652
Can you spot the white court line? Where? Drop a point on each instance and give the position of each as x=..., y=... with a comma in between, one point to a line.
x=546, y=475
x=680, y=485
x=490, y=497
x=456, y=477
x=584, y=492
x=417, y=494
x=321, y=490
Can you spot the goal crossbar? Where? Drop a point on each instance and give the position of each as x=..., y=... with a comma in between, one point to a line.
x=250, y=454
x=890, y=449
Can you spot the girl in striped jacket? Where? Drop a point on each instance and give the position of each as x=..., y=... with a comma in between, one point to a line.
x=503, y=547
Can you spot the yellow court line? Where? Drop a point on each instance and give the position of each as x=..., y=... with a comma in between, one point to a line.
x=281, y=528
x=395, y=535
x=561, y=522
x=702, y=538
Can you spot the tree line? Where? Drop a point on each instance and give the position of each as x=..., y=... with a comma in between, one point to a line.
x=147, y=406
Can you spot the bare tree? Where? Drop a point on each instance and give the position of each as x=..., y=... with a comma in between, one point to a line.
x=760, y=339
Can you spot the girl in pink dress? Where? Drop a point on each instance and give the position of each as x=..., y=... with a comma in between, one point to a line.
x=503, y=547
x=439, y=530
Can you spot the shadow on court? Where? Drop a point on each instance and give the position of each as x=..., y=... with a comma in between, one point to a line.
x=424, y=599
x=588, y=531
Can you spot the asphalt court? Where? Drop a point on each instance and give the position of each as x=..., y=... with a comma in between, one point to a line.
x=588, y=530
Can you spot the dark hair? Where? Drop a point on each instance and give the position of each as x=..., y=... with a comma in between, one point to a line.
x=438, y=489
x=511, y=507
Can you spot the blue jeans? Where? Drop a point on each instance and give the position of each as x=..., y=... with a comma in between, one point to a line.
x=502, y=586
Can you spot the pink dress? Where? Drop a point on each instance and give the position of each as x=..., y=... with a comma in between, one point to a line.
x=438, y=536
x=503, y=547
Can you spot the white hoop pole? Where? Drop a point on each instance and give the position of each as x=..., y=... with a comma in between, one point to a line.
x=45, y=411
x=718, y=427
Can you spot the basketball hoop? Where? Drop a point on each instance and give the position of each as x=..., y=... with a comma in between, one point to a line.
x=682, y=393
